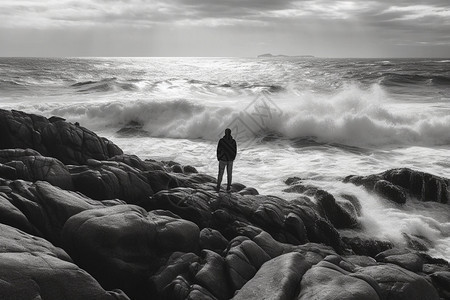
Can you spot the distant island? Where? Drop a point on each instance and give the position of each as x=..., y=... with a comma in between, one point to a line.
x=282, y=55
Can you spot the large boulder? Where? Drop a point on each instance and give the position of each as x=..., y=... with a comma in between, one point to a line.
x=42, y=209
x=396, y=183
x=53, y=137
x=103, y=180
x=32, y=268
x=123, y=245
x=421, y=185
x=29, y=165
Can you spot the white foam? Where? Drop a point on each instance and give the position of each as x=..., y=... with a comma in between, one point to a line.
x=352, y=116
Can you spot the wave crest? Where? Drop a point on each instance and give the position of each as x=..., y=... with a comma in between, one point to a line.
x=354, y=116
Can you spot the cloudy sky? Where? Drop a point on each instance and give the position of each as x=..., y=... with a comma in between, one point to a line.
x=325, y=28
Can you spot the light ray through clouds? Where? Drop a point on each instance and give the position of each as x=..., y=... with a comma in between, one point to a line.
x=378, y=28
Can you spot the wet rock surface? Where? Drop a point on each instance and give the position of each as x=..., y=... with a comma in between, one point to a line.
x=395, y=184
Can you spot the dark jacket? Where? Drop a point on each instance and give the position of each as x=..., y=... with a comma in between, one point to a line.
x=226, y=149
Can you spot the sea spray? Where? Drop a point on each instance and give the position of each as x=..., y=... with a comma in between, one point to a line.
x=351, y=116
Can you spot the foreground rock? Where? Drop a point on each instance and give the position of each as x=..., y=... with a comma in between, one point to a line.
x=121, y=245
x=32, y=268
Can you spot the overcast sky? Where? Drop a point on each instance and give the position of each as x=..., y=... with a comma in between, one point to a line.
x=325, y=28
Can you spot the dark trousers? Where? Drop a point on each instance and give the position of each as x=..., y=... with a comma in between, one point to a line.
x=222, y=165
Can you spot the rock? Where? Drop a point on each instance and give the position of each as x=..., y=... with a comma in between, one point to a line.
x=400, y=284
x=419, y=243
x=315, y=253
x=212, y=240
x=366, y=247
x=302, y=189
x=177, y=169
x=354, y=201
x=392, y=184
x=109, y=180
x=270, y=246
x=244, y=258
x=329, y=280
x=248, y=191
x=402, y=257
x=213, y=275
x=42, y=209
x=295, y=224
x=231, y=213
x=338, y=216
x=423, y=186
x=32, y=268
x=180, y=289
x=360, y=260
x=441, y=280
x=389, y=191
x=187, y=203
x=160, y=180
x=178, y=264
x=122, y=244
x=189, y=169
x=292, y=180
x=12, y=216
x=135, y=162
x=67, y=142
x=8, y=172
x=17, y=130
x=37, y=167
x=279, y=278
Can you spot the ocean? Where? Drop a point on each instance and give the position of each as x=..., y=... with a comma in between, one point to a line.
x=314, y=118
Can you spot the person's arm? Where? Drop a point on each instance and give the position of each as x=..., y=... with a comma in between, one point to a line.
x=234, y=149
x=219, y=149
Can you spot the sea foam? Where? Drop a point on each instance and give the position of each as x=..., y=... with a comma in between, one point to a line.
x=351, y=116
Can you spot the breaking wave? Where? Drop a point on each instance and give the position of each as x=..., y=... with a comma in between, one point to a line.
x=353, y=116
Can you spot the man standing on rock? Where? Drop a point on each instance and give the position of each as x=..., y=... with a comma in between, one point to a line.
x=226, y=153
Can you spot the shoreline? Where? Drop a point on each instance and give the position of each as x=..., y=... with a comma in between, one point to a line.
x=157, y=229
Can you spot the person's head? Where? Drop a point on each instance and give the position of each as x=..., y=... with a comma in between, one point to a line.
x=228, y=132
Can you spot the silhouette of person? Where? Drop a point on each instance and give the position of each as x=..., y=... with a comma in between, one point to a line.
x=226, y=153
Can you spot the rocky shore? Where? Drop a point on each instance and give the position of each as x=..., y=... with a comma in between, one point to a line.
x=79, y=219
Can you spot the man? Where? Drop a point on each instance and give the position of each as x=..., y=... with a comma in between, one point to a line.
x=226, y=153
